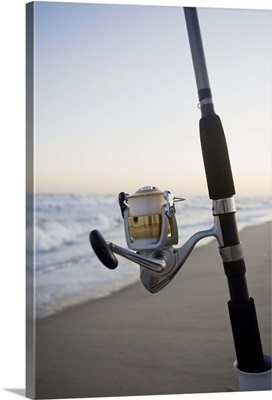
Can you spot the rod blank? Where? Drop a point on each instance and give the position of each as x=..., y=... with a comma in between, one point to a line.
x=196, y=46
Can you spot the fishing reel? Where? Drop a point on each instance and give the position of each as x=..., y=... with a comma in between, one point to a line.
x=151, y=231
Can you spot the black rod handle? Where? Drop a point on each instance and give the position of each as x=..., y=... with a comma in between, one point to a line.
x=245, y=329
x=216, y=158
x=243, y=318
x=246, y=336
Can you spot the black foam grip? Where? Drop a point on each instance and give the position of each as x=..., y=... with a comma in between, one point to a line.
x=246, y=336
x=216, y=158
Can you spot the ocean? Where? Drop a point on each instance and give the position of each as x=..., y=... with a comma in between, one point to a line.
x=67, y=272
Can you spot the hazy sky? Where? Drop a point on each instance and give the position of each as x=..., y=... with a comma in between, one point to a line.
x=116, y=98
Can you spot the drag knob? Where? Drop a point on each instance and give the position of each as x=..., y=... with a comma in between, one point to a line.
x=102, y=250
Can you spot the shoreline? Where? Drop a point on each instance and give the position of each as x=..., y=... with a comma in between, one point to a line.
x=176, y=341
x=71, y=304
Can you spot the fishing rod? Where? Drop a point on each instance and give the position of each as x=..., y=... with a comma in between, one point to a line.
x=151, y=229
x=250, y=357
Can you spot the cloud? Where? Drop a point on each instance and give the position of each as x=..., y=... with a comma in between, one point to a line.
x=130, y=72
x=110, y=79
x=106, y=80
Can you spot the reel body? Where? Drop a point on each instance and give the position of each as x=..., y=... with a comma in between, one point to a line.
x=150, y=230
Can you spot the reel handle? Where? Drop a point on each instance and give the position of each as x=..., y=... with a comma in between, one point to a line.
x=102, y=250
x=105, y=252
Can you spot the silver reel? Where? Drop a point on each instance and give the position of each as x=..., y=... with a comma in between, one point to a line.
x=151, y=230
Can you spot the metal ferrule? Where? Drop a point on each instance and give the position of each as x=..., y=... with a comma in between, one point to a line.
x=224, y=206
x=205, y=101
x=232, y=253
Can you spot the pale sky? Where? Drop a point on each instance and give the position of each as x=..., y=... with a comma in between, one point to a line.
x=116, y=98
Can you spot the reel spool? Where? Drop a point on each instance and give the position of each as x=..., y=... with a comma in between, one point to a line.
x=149, y=218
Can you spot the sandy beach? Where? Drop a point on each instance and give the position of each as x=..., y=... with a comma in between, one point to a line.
x=174, y=342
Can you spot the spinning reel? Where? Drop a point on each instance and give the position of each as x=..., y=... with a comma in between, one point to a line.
x=151, y=230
